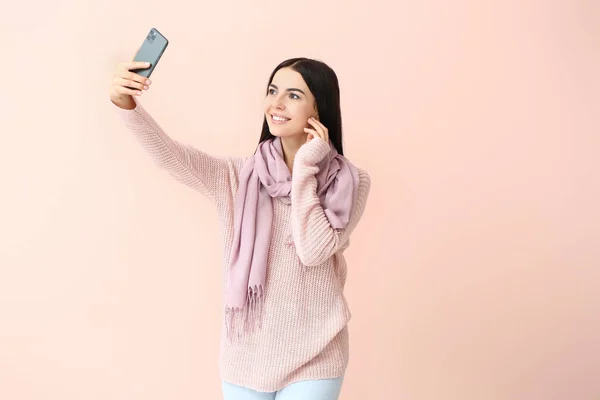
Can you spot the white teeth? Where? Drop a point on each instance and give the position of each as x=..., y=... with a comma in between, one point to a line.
x=276, y=118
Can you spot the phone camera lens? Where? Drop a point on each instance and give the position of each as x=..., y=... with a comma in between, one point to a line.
x=151, y=36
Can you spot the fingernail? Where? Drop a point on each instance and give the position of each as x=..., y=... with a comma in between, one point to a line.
x=148, y=82
x=146, y=87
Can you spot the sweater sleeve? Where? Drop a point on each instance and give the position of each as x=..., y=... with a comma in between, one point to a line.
x=315, y=239
x=188, y=165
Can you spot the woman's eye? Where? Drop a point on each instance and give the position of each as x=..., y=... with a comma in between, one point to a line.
x=271, y=91
x=294, y=96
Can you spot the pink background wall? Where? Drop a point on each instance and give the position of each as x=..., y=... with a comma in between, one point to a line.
x=473, y=275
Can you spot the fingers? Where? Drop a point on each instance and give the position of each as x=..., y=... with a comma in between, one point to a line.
x=126, y=82
x=319, y=129
x=122, y=90
x=131, y=83
x=134, y=65
x=311, y=134
x=309, y=137
x=124, y=70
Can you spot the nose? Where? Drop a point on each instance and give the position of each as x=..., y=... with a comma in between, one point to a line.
x=278, y=104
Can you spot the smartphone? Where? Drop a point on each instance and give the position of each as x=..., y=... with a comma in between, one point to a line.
x=152, y=49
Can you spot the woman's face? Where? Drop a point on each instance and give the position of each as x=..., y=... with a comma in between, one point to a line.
x=289, y=104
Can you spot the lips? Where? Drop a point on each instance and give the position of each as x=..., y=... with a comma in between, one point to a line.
x=279, y=119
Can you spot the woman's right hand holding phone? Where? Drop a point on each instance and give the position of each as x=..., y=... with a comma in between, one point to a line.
x=126, y=84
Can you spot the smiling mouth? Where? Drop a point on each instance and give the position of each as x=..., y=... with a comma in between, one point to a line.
x=279, y=120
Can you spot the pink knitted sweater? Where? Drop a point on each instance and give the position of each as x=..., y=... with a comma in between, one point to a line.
x=304, y=333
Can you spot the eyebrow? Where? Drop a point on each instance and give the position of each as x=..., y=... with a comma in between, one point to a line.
x=290, y=89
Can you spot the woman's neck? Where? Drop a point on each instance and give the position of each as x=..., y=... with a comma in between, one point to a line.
x=290, y=146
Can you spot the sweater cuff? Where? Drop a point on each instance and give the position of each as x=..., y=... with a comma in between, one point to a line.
x=313, y=152
x=128, y=114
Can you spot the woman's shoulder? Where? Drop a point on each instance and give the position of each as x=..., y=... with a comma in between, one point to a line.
x=364, y=180
x=363, y=175
x=235, y=162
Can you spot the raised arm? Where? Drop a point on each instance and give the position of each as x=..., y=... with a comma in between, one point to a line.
x=208, y=174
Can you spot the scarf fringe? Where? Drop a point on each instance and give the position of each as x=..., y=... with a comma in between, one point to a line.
x=242, y=320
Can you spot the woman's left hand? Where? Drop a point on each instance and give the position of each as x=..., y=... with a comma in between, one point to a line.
x=319, y=131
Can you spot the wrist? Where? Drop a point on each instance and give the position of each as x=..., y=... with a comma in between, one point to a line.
x=314, y=151
x=124, y=102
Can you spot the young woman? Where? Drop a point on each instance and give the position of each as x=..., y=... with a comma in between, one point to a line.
x=286, y=214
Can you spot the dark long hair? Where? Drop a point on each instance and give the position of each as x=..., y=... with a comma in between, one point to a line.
x=323, y=83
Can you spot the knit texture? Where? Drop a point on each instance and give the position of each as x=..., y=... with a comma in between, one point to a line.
x=303, y=330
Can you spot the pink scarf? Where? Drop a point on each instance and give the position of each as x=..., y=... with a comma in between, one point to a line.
x=265, y=176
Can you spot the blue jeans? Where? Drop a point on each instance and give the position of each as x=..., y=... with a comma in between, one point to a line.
x=321, y=389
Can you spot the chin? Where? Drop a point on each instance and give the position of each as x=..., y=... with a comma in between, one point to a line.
x=279, y=132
